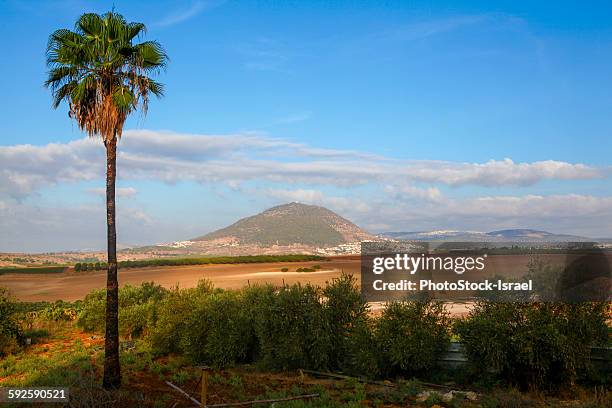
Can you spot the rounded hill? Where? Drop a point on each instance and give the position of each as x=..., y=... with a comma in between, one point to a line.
x=289, y=224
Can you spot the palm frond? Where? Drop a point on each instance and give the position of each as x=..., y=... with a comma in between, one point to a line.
x=156, y=88
x=90, y=24
x=124, y=99
x=63, y=92
x=135, y=30
x=150, y=55
x=101, y=73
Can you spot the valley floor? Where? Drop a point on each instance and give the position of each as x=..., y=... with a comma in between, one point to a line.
x=70, y=286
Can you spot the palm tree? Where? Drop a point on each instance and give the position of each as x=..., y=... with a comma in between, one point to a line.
x=104, y=76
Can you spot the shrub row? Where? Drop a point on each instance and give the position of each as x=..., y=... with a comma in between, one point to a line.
x=314, y=268
x=330, y=328
x=33, y=269
x=85, y=266
x=90, y=266
x=219, y=260
x=298, y=326
x=534, y=344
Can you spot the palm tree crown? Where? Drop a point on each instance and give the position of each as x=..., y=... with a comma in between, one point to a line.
x=102, y=74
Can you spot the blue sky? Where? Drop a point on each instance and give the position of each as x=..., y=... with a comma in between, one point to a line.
x=399, y=115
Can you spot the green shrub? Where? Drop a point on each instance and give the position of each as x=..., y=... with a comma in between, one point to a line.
x=59, y=311
x=220, y=332
x=533, y=344
x=147, y=291
x=284, y=269
x=343, y=307
x=291, y=328
x=411, y=335
x=295, y=326
x=91, y=318
x=361, y=355
x=10, y=332
x=172, y=326
x=137, y=309
x=77, y=267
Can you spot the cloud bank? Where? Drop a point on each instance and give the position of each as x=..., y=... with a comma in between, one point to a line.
x=377, y=192
x=171, y=157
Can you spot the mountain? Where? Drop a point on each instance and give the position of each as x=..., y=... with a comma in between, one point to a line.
x=535, y=235
x=290, y=224
x=444, y=235
x=508, y=235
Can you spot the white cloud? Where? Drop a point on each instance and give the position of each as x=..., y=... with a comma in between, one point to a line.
x=415, y=209
x=27, y=168
x=499, y=173
x=568, y=213
x=27, y=227
x=336, y=203
x=410, y=191
x=299, y=195
x=172, y=157
x=184, y=14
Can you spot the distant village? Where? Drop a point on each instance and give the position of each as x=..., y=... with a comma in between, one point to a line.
x=350, y=248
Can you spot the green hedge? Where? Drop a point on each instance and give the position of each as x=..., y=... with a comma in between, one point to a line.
x=539, y=345
x=294, y=326
x=33, y=269
x=411, y=335
x=329, y=328
x=219, y=260
x=90, y=266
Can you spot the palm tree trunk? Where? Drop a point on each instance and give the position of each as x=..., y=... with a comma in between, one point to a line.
x=112, y=371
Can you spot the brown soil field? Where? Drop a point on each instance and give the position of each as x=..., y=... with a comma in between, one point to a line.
x=71, y=286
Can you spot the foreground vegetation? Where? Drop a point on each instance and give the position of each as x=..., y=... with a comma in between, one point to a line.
x=259, y=337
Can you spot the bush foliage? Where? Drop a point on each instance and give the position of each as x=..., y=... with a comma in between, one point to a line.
x=33, y=269
x=10, y=332
x=85, y=266
x=534, y=344
x=330, y=328
x=412, y=335
x=291, y=328
x=137, y=309
x=294, y=326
